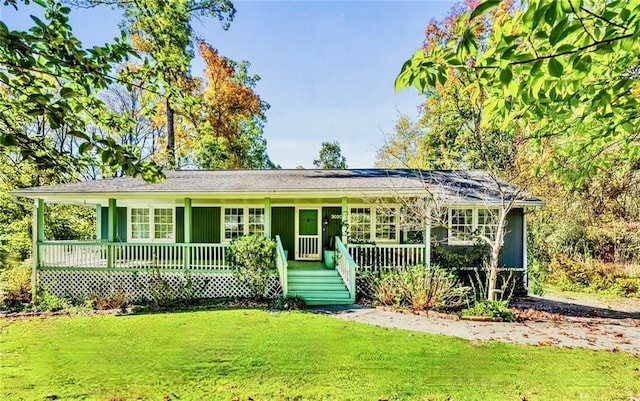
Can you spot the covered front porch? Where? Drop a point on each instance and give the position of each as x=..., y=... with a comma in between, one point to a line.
x=314, y=258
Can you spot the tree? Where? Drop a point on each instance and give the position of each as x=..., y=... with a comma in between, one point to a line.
x=565, y=72
x=452, y=132
x=330, y=156
x=162, y=30
x=49, y=82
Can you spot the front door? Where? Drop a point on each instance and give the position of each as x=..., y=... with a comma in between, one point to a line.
x=308, y=243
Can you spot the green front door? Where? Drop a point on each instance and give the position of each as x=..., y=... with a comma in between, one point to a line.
x=308, y=244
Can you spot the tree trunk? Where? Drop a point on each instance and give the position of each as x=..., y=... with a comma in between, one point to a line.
x=171, y=138
x=496, y=246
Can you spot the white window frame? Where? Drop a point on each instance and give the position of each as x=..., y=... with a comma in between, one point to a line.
x=374, y=211
x=152, y=224
x=453, y=236
x=245, y=222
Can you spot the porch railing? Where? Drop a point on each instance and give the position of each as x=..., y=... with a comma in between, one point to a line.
x=346, y=266
x=282, y=265
x=196, y=257
x=384, y=256
x=309, y=247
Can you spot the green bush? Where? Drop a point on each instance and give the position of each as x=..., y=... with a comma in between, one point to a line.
x=51, y=303
x=419, y=288
x=288, y=302
x=253, y=258
x=15, y=287
x=493, y=309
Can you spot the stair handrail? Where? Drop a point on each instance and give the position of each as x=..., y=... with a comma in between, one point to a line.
x=346, y=266
x=282, y=265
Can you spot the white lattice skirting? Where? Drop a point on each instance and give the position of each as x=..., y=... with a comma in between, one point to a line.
x=138, y=286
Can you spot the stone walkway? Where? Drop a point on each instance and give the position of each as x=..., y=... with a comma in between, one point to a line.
x=618, y=331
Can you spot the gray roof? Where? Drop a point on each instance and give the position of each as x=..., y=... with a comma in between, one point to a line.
x=450, y=186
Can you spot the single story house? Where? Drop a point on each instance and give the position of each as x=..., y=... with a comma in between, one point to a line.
x=181, y=227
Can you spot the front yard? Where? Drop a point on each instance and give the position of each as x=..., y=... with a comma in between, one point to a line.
x=223, y=354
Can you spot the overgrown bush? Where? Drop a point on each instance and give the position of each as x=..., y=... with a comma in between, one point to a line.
x=493, y=309
x=591, y=276
x=51, y=303
x=289, y=302
x=116, y=298
x=15, y=287
x=253, y=258
x=474, y=256
x=419, y=288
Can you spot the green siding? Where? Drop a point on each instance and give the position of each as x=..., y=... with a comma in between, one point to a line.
x=179, y=225
x=334, y=228
x=206, y=225
x=283, y=223
x=121, y=217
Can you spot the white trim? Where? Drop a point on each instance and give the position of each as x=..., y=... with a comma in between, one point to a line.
x=152, y=224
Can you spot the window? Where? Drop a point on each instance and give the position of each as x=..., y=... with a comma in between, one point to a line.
x=488, y=222
x=386, y=224
x=163, y=224
x=464, y=222
x=140, y=225
x=360, y=224
x=239, y=221
x=233, y=223
x=151, y=224
x=373, y=224
x=461, y=223
x=256, y=221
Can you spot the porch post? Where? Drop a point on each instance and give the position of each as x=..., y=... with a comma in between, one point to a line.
x=427, y=236
x=525, y=273
x=112, y=221
x=267, y=217
x=37, y=236
x=345, y=217
x=112, y=229
x=188, y=220
x=98, y=221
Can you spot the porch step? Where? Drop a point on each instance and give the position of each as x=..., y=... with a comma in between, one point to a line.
x=318, y=286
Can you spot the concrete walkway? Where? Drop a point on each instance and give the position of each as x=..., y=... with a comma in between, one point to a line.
x=582, y=332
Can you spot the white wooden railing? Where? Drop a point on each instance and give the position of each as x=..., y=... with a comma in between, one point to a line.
x=309, y=247
x=282, y=265
x=346, y=267
x=66, y=254
x=384, y=256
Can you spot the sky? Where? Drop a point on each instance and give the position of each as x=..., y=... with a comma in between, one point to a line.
x=327, y=68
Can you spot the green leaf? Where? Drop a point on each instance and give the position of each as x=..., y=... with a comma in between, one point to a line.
x=506, y=76
x=484, y=7
x=555, y=68
x=67, y=92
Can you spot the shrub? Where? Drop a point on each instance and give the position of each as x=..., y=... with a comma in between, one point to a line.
x=48, y=302
x=419, y=288
x=253, y=258
x=15, y=287
x=493, y=309
x=116, y=298
x=289, y=302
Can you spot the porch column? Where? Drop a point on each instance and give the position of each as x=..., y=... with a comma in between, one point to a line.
x=98, y=221
x=112, y=221
x=112, y=229
x=37, y=236
x=345, y=221
x=188, y=220
x=267, y=217
x=427, y=236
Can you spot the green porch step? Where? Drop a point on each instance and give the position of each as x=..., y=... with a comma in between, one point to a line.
x=318, y=286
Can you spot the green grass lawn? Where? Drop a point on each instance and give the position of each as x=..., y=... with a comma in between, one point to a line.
x=222, y=354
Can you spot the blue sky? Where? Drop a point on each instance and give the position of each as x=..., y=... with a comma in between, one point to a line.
x=327, y=67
